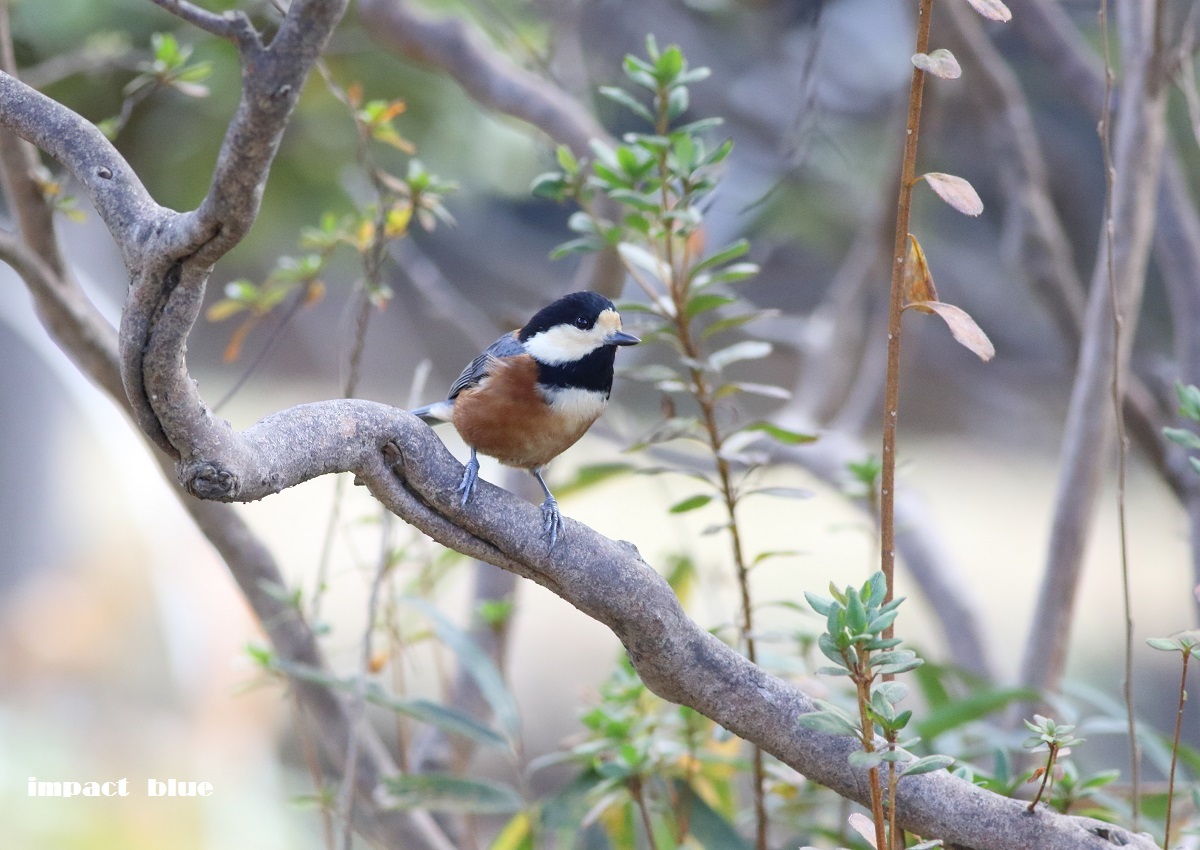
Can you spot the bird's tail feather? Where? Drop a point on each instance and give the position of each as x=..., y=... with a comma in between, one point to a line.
x=438, y=412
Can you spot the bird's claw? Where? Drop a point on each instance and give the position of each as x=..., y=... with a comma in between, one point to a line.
x=552, y=520
x=469, y=479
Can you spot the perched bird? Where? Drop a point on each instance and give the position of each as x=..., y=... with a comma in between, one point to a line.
x=534, y=392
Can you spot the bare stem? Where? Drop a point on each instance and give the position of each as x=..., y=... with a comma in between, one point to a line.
x=891, y=404
x=862, y=682
x=1175, y=749
x=1046, y=775
x=1118, y=398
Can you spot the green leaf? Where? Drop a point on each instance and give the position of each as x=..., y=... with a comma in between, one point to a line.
x=974, y=706
x=444, y=793
x=781, y=435
x=749, y=349
x=725, y=255
x=729, y=274
x=677, y=102
x=1165, y=644
x=928, y=764
x=706, y=825
x=781, y=492
x=819, y=603
x=691, y=503
x=669, y=65
x=576, y=246
x=443, y=717
x=478, y=666
x=551, y=185
x=566, y=160
x=829, y=722
x=1182, y=436
x=875, y=590
x=1189, y=400
x=863, y=760
x=705, y=301
x=726, y=323
x=591, y=475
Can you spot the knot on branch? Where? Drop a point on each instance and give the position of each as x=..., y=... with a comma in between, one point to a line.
x=211, y=482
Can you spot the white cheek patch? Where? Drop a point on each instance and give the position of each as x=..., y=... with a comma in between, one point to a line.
x=579, y=407
x=567, y=343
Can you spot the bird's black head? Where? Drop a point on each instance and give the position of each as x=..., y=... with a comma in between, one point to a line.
x=574, y=340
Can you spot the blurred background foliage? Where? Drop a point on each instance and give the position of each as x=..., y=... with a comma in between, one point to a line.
x=121, y=634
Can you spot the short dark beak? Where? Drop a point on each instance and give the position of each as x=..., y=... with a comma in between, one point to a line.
x=622, y=338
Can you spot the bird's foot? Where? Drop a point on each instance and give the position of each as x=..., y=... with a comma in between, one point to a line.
x=469, y=479
x=552, y=520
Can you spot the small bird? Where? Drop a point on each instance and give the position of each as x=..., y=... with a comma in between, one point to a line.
x=534, y=392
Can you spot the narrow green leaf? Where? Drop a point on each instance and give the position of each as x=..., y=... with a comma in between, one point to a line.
x=690, y=504
x=566, y=160
x=749, y=349
x=828, y=722
x=706, y=825
x=720, y=258
x=551, y=185
x=928, y=764
x=974, y=706
x=443, y=717
x=1165, y=644
x=1189, y=400
x=478, y=666
x=444, y=793
x=781, y=435
x=781, y=492
x=705, y=301
x=618, y=95
x=1182, y=436
x=863, y=760
x=819, y=603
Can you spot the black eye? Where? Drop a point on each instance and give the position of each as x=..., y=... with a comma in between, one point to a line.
x=583, y=323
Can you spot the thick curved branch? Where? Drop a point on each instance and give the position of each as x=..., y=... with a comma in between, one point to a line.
x=413, y=474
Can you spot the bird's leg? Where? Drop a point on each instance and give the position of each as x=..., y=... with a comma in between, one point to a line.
x=470, y=477
x=553, y=519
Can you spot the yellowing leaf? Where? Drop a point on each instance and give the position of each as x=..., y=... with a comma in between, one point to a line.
x=955, y=191
x=962, y=327
x=396, y=223
x=918, y=281
x=993, y=10
x=314, y=292
x=364, y=234
x=237, y=339
x=223, y=309
x=940, y=63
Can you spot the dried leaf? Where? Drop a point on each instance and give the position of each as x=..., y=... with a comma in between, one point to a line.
x=940, y=63
x=238, y=338
x=864, y=826
x=955, y=191
x=962, y=327
x=993, y=10
x=918, y=280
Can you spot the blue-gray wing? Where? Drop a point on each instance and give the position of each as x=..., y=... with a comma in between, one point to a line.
x=507, y=346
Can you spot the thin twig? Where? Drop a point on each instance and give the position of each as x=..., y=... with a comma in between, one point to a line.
x=1174, y=749
x=231, y=26
x=1118, y=397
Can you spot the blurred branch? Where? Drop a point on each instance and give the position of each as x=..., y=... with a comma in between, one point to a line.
x=488, y=76
x=496, y=83
x=1139, y=136
x=231, y=26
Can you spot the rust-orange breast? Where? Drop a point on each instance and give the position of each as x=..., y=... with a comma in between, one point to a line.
x=506, y=417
